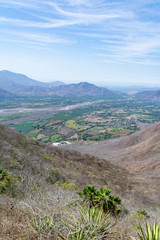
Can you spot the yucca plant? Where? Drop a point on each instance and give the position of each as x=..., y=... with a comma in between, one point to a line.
x=148, y=232
x=42, y=225
x=91, y=225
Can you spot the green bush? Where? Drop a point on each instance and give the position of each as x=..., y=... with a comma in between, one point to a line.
x=5, y=180
x=47, y=158
x=138, y=217
x=101, y=199
x=69, y=185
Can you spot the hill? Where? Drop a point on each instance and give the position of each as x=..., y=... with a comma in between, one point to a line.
x=138, y=153
x=38, y=197
x=32, y=159
x=6, y=95
x=149, y=95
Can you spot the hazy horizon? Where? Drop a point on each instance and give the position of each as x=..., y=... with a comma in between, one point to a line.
x=82, y=40
x=115, y=85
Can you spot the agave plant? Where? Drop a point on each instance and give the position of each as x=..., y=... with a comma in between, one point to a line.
x=148, y=233
x=101, y=199
x=92, y=225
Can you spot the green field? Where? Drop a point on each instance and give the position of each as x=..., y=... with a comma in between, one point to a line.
x=72, y=124
x=102, y=120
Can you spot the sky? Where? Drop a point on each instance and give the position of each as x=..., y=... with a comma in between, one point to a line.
x=99, y=41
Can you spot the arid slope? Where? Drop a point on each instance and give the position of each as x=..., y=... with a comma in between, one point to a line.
x=138, y=153
x=33, y=161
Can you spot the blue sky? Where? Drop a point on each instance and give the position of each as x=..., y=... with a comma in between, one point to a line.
x=100, y=41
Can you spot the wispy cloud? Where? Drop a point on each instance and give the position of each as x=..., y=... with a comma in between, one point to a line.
x=20, y=4
x=32, y=38
x=51, y=23
x=121, y=30
x=90, y=17
x=78, y=2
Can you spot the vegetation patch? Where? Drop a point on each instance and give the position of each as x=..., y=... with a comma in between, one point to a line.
x=69, y=185
x=55, y=175
x=72, y=124
x=5, y=180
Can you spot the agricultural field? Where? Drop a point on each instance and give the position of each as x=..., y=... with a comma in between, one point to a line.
x=58, y=120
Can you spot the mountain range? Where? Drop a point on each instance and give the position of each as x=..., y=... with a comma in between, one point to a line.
x=24, y=86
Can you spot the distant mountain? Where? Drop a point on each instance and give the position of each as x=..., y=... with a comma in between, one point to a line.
x=24, y=86
x=55, y=83
x=10, y=80
x=6, y=95
x=82, y=89
x=149, y=95
x=7, y=77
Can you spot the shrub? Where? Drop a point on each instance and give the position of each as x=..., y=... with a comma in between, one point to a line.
x=138, y=217
x=14, y=164
x=55, y=175
x=101, y=199
x=5, y=180
x=69, y=185
x=47, y=158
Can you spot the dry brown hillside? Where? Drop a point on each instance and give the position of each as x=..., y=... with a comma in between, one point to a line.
x=34, y=161
x=138, y=153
